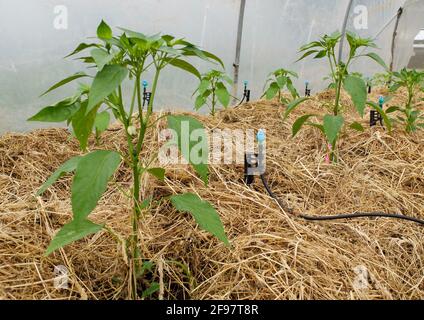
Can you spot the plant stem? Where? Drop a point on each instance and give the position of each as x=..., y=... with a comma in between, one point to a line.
x=135, y=152
x=213, y=83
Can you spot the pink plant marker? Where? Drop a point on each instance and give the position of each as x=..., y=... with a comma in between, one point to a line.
x=327, y=157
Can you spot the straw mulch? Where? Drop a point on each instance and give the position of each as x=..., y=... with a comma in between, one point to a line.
x=275, y=255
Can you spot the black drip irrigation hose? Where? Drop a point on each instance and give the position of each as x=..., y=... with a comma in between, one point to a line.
x=341, y=216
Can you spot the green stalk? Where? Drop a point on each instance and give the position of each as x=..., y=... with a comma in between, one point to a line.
x=213, y=98
x=145, y=124
x=135, y=152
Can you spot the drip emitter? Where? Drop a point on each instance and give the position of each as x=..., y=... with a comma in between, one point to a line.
x=307, y=89
x=369, y=86
x=146, y=95
x=246, y=93
x=375, y=116
x=254, y=165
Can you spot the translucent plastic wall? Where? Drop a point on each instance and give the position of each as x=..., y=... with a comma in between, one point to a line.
x=382, y=23
x=274, y=30
x=412, y=20
x=32, y=47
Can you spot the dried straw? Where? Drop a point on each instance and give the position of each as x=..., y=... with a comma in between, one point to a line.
x=274, y=255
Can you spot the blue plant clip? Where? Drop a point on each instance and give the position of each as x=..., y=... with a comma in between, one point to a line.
x=381, y=101
x=145, y=84
x=261, y=136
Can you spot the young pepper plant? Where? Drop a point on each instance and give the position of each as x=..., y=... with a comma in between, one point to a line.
x=277, y=81
x=117, y=59
x=213, y=90
x=413, y=82
x=331, y=125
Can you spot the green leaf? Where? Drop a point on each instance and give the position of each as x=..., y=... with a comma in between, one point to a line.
x=154, y=287
x=395, y=87
x=281, y=81
x=202, y=54
x=357, y=89
x=293, y=106
x=102, y=121
x=204, y=85
x=81, y=47
x=169, y=50
x=65, y=81
x=101, y=57
x=183, y=127
x=203, y=212
x=307, y=54
x=311, y=45
x=298, y=124
x=292, y=89
x=222, y=94
x=386, y=119
x=157, y=172
x=90, y=181
x=378, y=59
x=317, y=126
x=200, y=102
x=83, y=123
x=71, y=232
x=104, y=32
x=67, y=167
x=213, y=57
x=272, y=91
x=105, y=82
x=392, y=109
x=59, y=113
x=134, y=34
x=184, y=65
x=332, y=127
x=357, y=126
x=321, y=54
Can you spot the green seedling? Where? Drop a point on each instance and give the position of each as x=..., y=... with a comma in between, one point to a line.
x=410, y=115
x=382, y=79
x=276, y=83
x=332, y=124
x=117, y=59
x=213, y=90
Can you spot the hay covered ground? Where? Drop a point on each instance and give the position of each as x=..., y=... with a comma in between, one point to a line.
x=274, y=256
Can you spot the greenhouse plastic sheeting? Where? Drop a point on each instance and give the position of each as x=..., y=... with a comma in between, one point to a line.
x=32, y=49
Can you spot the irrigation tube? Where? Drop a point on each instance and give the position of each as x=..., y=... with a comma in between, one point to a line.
x=341, y=216
x=238, y=48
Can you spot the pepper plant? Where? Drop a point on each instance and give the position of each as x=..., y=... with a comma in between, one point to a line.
x=332, y=124
x=117, y=59
x=413, y=82
x=277, y=81
x=213, y=90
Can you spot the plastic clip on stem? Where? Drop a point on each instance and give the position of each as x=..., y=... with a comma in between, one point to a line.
x=369, y=86
x=307, y=90
x=254, y=163
x=146, y=95
x=246, y=93
x=375, y=116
